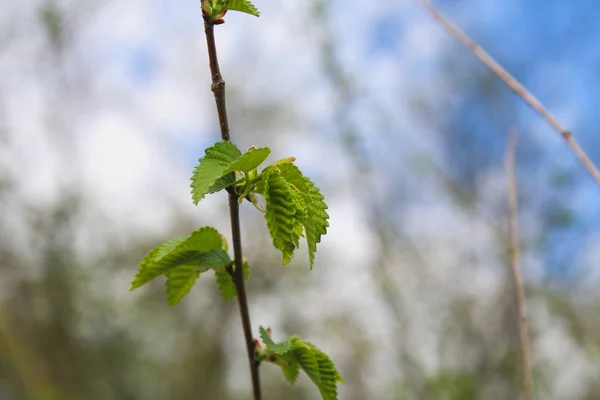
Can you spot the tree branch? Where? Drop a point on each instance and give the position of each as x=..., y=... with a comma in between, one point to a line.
x=515, y=268
x=218, y=88
x=517, y=87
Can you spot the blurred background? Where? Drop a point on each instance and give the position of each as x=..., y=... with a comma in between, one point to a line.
x=105, y=108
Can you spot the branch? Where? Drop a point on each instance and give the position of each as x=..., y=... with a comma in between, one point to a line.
x=218, y=88
x=515, y=268
x=519, y=89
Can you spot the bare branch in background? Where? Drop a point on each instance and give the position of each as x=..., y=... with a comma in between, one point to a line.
x=517, y=87
x=515, y=267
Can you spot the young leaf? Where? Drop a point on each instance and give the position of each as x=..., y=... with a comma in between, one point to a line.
x=179, y=282
x=291, y=371
x=308, y=361
x=212, y=166
x=328, y=375
x=319, y=368
x=250, y=160
x=243, y=6
x=166, y=248
x=225, y=284
x=295, y=353
x=309, y=206
x=292, y=174
x=225, y=281
x=315, y=224
x=224, y=151
x=222, y=183
x=280, y=214
x=203, y=261
x=278, y=348
x=204, y=239
x=203, y=250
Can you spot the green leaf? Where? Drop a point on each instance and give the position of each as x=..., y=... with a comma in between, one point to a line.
x=291, y=371
x=319, y=368
x=308, y=361
x=308, y=205
x=224, y=151
x=315, y=224
x=202, y=250
x=222, y=183
x=259, y=186
x=328, y=375
x=204, y=239
x=202, y=261
x=243, y=6
x=215, y=170
x=225, y=282
x=179, y=282
x=293, y=354
x=278, y=348
x=292, y=174
x=211, y=167
x=166, y=248
x=250, y=160
x=280, y=213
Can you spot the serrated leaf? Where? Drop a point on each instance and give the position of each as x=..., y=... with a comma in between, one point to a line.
x=179, y=282
x=211, y=167
x=205, y=176
x=319, y=368
x=225, y=284
x=308, y=362
x=294, y=353
x=225, y=281
x=222, y=183
x=164, y=249
x=309, y=206
x=315, y=224
x=204, y=239
x=243, y=6
x=291, y=371
x=292, y=174
x=203, y=250
x=224, y=151
x=250, y=160
x=281, y=348
x=328, y=376
x=203, y=261
x=299, y=216
x=280, y=213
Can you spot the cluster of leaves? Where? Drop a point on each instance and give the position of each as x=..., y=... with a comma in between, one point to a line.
x=294, y=208
x=294, y=354
x=215, y=9
x=182, y=261
x=294, y=205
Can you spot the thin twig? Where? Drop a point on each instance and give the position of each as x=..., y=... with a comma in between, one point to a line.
x=515, y=267
x=218, y=88
x=518, y=88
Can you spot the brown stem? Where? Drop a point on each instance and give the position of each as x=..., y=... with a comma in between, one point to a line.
x=515, y=268
x=517, y=87
x=218, y=88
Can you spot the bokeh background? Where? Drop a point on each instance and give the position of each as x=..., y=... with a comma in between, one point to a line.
x=105, y=108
